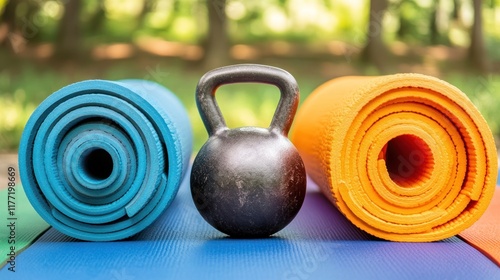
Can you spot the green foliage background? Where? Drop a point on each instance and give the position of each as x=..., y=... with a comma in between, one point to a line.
x=273, y=27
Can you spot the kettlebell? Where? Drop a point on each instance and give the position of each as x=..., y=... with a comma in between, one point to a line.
x=248, y=182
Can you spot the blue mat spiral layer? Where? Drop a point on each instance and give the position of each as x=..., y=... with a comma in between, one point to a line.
x=101, y=160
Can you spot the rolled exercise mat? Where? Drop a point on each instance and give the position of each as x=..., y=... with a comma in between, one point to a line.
x=404, y=157
x=100, y=160
x=26, y=225
x=484, y=235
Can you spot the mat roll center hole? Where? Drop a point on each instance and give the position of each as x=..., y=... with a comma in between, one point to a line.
x=97, y=164
x=408, y=160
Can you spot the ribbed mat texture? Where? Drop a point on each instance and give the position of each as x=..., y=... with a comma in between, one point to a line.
x=101, y=160
x=320, y=243
x=404, y=157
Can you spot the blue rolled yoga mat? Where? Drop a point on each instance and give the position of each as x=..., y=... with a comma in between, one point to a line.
x=101, y=160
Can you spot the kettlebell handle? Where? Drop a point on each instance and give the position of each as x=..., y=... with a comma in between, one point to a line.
x=207, y=86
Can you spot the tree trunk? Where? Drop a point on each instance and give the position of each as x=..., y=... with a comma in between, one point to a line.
x=97, y=19
x=69, y=36
x=375, y=51
x=217, y=42
x=455, y=14
x=9, y=13
x=404, y=24
x=433, y=26
x=31, y=17
x=403, y=27
x=147, y=7
x=8, y=23
x=477, y=49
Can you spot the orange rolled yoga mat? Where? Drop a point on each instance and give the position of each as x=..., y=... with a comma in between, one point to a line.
x=404, y=157
x=485, y=234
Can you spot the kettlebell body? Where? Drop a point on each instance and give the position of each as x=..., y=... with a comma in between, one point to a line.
x=249, y=181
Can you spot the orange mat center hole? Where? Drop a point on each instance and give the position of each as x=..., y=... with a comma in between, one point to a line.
x=409, y=160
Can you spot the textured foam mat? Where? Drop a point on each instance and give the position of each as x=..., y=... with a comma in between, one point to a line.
x=101, y=160
x=319, y=244
x=28, y=224
x=405, y=157
x=485, y=233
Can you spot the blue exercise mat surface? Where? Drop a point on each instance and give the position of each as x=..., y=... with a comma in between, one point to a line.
x=101, y=160
x=319, y=244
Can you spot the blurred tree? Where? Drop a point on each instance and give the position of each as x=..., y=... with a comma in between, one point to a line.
x=32, y=11
x=69, y=36
x=97, y=19
x=404, y=23
x=433, y=25
x=147, y=7
x=477, y=50
x=8, y=23
x=216, y=44
x=455, y=14
x=19, y=24
x=418, y=22
x=375, y=51
x=171, y=18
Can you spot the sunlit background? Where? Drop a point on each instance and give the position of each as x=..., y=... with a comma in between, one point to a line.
x=45, y=45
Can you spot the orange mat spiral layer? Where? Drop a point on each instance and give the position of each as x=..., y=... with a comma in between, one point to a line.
x=485, y=234
x=404, y=157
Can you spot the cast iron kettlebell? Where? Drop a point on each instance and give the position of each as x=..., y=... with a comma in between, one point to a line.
x=248, y=181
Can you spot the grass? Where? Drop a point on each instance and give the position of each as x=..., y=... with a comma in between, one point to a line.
x=24, y=84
